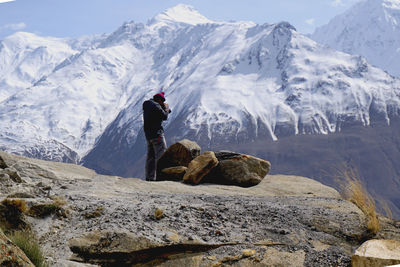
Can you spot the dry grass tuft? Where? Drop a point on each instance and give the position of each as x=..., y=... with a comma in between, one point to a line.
x=59, y=200
x=94, y=214
x=43, y=210
x=385, y=208
x=11, y=214
x=352, y=189
x=26, y=241
x=17, y=204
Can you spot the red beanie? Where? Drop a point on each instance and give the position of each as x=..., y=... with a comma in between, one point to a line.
x=162, y=95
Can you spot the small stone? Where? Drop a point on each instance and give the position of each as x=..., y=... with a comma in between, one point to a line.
x=14, y=175
x=212, y=258
x=230, y=258
x=158, y=214
x=218, y=233
x=173, y=237
x=248, y=252
x=4, y=176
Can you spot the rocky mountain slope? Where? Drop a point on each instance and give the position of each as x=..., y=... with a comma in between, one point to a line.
x=370, y=28
x=29, y=119
x=104, y=220
x=232, y=83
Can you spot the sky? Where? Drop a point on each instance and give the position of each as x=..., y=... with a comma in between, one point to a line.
x=75, y=18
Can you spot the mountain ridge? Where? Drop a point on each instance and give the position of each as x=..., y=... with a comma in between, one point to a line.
x=180, y=13
x=376, y=36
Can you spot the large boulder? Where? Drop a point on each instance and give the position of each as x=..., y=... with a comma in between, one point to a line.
x=178, y=154
x=374, y=253
x=199, y=167
x=174, y=173
x=238, y=169
x=11, y=255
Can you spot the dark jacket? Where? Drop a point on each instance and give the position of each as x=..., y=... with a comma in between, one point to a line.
x=153, y=116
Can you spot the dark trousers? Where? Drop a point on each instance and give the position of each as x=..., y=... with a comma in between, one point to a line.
x=155, y=148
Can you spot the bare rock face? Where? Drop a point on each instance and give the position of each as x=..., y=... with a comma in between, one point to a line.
x=274, y=257
x=238, y=169
x=11, y=255
x=178, y=154
x=199, y=167
x=375, y=253
x=13, y=174
x=110, y=247
x=127, y=249
x=114, y=221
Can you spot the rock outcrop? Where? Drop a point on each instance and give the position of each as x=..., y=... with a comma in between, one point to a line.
x=238, y=169
x=108, y=220
x=222, y=167
x=376, y=253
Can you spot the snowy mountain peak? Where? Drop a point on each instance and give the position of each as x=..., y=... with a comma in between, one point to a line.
x=376, y=36
x=21, y=40
x=182, y=14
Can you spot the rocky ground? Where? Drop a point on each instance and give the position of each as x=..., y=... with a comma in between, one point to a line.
x=111, y=221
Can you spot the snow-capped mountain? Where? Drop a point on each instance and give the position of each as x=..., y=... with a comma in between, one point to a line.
x=371, y=28
x=230, y=83
x=67, y=109
x=227, y=82
x=25, y=58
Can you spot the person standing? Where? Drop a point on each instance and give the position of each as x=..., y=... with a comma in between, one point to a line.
x=155, y=111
